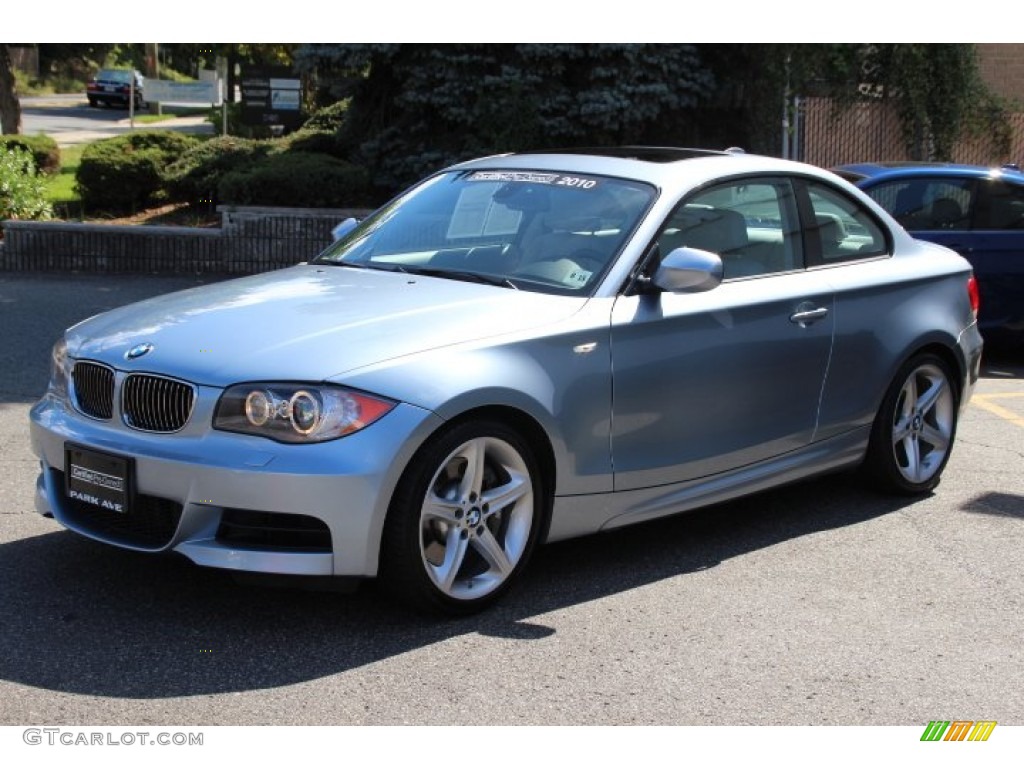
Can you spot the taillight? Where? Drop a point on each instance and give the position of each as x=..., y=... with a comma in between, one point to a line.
x=973, y=295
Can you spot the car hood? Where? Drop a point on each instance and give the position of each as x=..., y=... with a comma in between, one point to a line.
x=306, y=323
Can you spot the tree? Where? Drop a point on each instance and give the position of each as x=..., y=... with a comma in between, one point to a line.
x=937, y=90
x=418, y=107
x=10, y=106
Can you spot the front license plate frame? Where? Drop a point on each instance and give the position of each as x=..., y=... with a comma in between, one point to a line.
x=98, y=479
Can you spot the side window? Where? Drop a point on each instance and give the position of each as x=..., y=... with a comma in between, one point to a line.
x=1001, y=206
x=841, y=227
x=750, y=223
x=927, y=204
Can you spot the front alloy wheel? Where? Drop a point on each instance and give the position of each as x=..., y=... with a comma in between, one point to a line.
x=464, y=519
x=914, y=430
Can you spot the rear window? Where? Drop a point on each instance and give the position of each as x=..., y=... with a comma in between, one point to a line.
x=115, y=75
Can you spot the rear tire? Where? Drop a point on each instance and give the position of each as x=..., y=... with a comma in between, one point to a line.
x=464, y=520
x=914, y=430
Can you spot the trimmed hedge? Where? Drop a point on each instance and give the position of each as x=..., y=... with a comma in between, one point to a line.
x=194, y=176
x=126, y=173
x=297, y=179
x=44, y=150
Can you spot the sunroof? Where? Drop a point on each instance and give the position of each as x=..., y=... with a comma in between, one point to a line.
x=649, y=154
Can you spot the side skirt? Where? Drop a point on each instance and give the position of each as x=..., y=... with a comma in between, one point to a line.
x=581, y=515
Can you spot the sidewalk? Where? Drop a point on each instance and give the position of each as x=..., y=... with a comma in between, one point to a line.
x=195, y=124
x=59, y=116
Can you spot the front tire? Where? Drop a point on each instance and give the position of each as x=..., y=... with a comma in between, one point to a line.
x=464, y=520
x=914, y=430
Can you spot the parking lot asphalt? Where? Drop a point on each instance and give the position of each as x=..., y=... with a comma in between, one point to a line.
x=820, y=603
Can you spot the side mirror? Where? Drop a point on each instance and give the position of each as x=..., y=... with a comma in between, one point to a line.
x=689, y=270
x=344, y=228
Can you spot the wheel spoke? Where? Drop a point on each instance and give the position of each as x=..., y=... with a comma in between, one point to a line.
x=439, y=508
x=909, y=399
x=454, y=553
x=927, y=400
x=488, y=546
x=912, y=450
x=498, y=498
x=901, y=431
x=473, y=478
x=937, y=439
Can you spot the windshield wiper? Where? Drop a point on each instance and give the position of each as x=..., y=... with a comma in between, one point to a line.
x=366, y=265
x=458, y=274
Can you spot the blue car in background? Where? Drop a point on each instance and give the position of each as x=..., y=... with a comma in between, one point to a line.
x=977, y=211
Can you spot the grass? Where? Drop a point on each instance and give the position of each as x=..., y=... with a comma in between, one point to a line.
x=61, y=186
x=146, y=119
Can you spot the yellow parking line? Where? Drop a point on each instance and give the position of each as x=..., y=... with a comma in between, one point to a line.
x=984, y=402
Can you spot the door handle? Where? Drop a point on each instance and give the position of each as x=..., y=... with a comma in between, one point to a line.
x=804, y=317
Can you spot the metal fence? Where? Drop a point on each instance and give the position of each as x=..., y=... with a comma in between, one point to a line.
x=872, y=132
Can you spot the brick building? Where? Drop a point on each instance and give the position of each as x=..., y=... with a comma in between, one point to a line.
x=1001, y=66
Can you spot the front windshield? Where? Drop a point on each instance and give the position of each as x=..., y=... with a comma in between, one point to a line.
x=543, y=231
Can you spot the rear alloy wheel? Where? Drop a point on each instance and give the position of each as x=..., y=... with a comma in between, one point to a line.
x=464, y=520
x=915, y=427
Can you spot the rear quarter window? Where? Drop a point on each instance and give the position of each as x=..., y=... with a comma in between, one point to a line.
x=842, y=228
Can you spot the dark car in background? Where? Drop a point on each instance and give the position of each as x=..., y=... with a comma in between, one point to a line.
x=977, y=211
x=114, y=87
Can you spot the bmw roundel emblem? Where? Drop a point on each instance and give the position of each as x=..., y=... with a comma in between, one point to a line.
x=138, y=351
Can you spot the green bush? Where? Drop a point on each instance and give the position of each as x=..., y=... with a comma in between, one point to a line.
x=44, y=150
x=297, y=179
x=329, y=119
x=126, y=173
x=22, y=191
x=320, y=142
x=194, y=176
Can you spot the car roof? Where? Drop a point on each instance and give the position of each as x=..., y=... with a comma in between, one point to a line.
x=878, y=171
x=665, y=167
x=106, y=71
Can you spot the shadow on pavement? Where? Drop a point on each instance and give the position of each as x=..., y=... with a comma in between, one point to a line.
x=999, y=504
x=81, y=617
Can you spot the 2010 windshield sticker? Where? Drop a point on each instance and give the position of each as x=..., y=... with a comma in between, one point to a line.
x=532, y=177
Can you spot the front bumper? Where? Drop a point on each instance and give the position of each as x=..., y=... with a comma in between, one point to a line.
x=194, y=486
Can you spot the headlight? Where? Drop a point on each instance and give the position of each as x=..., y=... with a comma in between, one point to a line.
x=59, y=369
x=297, y=413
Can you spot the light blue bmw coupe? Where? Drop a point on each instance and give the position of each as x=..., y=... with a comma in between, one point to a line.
x=521, y=348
